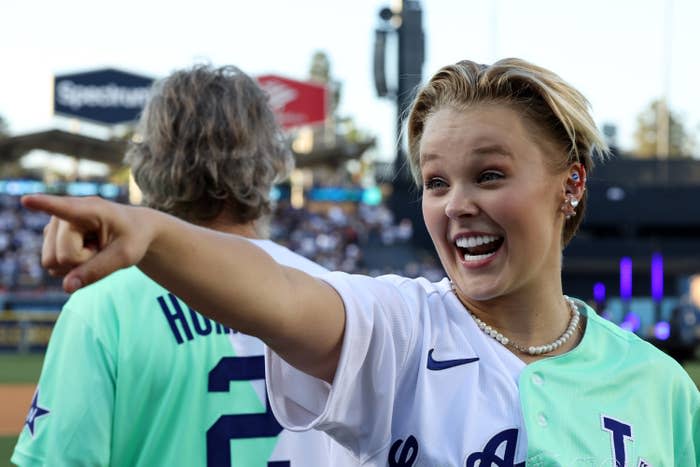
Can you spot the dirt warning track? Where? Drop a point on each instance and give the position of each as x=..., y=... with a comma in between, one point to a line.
x=15, y=400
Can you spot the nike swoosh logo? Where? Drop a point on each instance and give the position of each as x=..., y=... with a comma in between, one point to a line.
x=437, y=365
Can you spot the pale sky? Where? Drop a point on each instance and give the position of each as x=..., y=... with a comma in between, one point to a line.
x=612, y=50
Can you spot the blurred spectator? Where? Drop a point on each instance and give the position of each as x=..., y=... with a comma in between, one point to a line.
x=20, y=245
x=337, y=239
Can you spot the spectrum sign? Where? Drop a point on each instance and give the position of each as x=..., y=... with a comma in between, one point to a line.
x=104, y=96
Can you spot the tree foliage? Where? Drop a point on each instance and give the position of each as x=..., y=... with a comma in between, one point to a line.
x=339, y=132
x=680, y=142
x=320, y=67
x=320, y=72
x=3, y=127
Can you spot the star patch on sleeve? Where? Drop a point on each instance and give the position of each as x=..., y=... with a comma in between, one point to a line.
x=35, y=411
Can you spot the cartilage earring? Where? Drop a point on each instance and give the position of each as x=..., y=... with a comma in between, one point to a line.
x=578, y=179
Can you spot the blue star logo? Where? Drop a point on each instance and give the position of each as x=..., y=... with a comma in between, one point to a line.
x=35, y=411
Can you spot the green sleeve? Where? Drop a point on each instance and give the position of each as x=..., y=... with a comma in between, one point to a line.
x=691, y=453
x=76, y=387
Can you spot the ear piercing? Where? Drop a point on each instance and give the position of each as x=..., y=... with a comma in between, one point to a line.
x=569, y=206
x=578, y=179
x=570, y=201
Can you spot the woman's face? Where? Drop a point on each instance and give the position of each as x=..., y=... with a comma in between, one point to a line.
x=490, y=203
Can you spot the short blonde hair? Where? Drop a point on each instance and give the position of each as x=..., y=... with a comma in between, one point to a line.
x=544, y=100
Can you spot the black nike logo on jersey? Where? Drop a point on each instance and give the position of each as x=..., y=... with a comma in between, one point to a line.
x=437, y=365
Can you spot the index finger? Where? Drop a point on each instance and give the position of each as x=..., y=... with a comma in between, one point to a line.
x=72, y=209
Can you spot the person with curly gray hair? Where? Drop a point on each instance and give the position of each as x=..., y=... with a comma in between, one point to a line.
x=133, y=375
x=208, y=146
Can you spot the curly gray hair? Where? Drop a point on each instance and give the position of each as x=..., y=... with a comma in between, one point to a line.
x=207, y=143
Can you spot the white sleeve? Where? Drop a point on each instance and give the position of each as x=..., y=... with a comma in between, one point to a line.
x=356, y=410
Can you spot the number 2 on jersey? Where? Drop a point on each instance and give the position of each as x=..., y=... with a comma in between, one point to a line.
x=230, y=427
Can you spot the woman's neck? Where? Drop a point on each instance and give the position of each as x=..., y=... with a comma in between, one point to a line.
x=536, y=317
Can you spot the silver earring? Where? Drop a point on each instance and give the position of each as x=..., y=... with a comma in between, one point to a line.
x=569, y=206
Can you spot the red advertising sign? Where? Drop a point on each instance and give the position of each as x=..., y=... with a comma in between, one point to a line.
x=295, y=102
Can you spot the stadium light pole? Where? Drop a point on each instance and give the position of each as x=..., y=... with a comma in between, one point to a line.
x=405, y=20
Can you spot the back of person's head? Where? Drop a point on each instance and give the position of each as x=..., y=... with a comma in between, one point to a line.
x=551, y=108
x=208, y=144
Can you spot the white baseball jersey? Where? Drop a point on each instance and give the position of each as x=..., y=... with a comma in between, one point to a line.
x=418, y=384
x=295, y=448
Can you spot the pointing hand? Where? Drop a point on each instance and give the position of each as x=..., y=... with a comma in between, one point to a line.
x=89, y=238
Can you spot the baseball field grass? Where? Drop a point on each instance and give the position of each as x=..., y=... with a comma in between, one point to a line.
x=21, y=370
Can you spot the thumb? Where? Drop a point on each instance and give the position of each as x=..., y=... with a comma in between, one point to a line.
x=113, y=257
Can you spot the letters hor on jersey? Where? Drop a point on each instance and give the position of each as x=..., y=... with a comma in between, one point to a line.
x=104, y=96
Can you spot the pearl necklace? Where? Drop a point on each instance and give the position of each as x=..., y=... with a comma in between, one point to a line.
x=534, y=349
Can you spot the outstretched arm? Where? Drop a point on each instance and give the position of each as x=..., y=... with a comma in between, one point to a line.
x=220, y=275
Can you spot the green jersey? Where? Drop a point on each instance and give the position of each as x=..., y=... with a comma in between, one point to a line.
x=134, y=377
x=636, y=406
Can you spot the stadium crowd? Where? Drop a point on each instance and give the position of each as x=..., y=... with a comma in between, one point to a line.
x=335, y=238
x=20, y=245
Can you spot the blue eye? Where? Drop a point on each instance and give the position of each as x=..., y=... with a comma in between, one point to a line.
x=489, y=176
x=434, y=183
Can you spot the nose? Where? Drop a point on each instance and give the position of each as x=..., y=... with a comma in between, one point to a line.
x=460, y=204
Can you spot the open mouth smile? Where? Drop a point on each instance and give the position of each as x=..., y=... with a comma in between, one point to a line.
x=477, y=248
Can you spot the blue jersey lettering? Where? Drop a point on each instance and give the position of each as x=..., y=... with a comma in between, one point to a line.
x=489, y=458
x=173, y=318
x=618, y=432
x=408, y=454
x=202, y=330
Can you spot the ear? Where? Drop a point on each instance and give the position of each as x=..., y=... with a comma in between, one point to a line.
x=575, y=183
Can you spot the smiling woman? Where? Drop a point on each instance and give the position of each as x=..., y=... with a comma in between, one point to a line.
x=480, y=368
x=487, y=183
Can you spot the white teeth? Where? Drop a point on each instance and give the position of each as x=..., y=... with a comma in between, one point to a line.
x=471, y=242
x=469, y=257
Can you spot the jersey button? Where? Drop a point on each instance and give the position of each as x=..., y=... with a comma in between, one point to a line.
x=537, y=380
x=542, y=420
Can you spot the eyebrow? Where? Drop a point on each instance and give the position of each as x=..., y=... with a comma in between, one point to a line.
x=485, y=150
x=493, y=149
x=427, y=157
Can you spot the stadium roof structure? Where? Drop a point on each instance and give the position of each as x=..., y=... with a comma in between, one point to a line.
x=63, y=142
x=332, y=155
x=112, y=152
x=72, y=144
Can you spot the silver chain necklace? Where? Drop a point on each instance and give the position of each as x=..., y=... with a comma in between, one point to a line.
x=533, y=349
